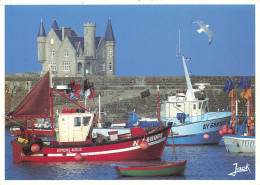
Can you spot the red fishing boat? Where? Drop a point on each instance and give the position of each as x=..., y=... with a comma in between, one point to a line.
x=74, y=140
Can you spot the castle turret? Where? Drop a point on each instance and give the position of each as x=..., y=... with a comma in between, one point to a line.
x=55, y=25
x=41, y=40
x=110, y=50
x=89, y=39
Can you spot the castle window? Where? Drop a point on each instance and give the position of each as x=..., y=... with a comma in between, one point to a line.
x=110, y=66
x=53, y=66
x=79, y=67
x=52, y=53
x=66, y=66
x=52, y=41
x=110, y=52
x=66, y=53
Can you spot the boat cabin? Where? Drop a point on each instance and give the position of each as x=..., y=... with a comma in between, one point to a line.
x=177, y=105
x=74, y=127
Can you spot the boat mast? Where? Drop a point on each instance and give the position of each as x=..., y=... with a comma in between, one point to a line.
x=190, y=93
x=158, y=97
x=99, y=111
x=236, y=111
x=51, y=90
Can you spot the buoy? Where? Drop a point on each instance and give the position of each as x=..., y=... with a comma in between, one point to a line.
x=35, y=148
x=230, y=131
x=224, y=127
x=144, y=145
x=78, y=157
x=220, y=132
x=224, y=131
x=205, y=136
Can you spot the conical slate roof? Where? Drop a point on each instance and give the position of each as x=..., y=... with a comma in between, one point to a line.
x=41, y=32
x=55, y=25
x=109, y=32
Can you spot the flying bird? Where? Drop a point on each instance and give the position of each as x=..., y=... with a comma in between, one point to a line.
x=204, y=28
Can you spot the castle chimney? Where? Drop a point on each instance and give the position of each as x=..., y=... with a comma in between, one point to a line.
x=66, y=31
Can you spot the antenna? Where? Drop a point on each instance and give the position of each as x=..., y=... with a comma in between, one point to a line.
x=178, y=52
x=179, y=41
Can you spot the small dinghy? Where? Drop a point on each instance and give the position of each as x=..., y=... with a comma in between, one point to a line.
x=165, y=169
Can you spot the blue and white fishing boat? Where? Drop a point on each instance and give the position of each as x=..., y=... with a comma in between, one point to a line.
x=243, y=141
x=192, y=125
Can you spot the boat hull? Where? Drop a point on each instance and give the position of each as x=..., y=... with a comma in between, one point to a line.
x=123, y=150
x=197, y=139
x=239, y=144
x=192, y=133
x=166, y=169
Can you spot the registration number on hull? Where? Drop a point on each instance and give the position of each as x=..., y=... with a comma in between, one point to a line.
x=212, y=125
x=149, y=139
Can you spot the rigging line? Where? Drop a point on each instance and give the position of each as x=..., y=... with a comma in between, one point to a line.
x=173, y=148
x=178, y=108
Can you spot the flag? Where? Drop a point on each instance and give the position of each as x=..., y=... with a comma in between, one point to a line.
x=246, y=93
x=229, y=85
x=231, y=93
x=93, y=93
x=245, y=82
x=87, y=94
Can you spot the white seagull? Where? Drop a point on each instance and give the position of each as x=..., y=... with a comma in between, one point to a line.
x=204, y=28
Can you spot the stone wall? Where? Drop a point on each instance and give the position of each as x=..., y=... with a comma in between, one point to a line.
x=121, y=95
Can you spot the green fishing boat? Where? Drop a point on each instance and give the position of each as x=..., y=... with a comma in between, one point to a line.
x=165, y=169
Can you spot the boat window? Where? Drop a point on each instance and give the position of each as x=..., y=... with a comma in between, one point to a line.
x=200, y=105
x=204, y=105
x=194, y=106
x=77, y=121
x=86, y=121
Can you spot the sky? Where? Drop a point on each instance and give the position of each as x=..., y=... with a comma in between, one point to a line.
x=146, y=36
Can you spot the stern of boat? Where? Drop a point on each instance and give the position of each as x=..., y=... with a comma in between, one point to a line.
x=17, y=151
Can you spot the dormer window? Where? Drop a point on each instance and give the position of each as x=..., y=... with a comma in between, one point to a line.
x=52, y=53
x=66, y=53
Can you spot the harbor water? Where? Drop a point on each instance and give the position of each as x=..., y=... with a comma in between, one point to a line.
x=209, y=162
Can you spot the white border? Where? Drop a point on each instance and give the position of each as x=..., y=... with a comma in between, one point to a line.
x=123, y=2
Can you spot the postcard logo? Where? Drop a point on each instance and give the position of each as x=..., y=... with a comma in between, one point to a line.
x=240, y=169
